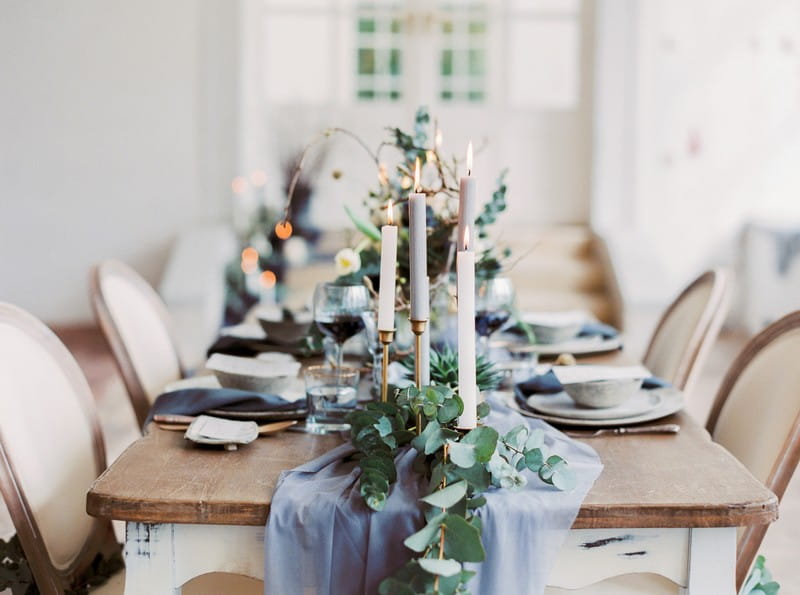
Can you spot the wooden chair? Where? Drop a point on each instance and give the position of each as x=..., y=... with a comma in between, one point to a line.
x=687, y=330
x=756, y=416
x=137, y=327
x=51, y=450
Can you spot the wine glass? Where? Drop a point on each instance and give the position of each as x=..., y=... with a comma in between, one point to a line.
x=494, y=302
x=338, y=313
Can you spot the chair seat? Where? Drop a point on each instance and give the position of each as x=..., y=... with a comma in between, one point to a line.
x=629, y=584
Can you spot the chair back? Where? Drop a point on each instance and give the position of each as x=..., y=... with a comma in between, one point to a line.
x=756, y=416
x=137, y=327
x=687, y=330
x=51, y=451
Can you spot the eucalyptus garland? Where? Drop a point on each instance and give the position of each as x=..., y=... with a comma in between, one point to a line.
x=459, y=465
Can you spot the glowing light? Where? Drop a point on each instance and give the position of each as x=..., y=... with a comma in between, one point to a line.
x=406, y=182
x=437, y=139
x=430, y=155
x=250, y=255
x=390, y=214
x=469, y=158
x=283, y=229
x=267, y=279
x=383, y=176
x=416, y=175
x=466, y=238
x=238, y=185
x=258, y=177
x=249, y=267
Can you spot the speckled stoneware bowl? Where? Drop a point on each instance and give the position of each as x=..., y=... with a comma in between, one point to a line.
x=282, y=331
x=252, y=374
x=601, y=394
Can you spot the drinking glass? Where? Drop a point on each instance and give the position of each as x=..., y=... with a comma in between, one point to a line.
x=331, y=394
x=494, y=302
x=338, y=311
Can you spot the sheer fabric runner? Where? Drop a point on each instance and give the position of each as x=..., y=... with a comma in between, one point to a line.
x=321, y=538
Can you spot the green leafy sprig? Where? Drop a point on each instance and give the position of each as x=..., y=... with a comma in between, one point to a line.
x=760, y=580
x=459, y=466
x=444, y=369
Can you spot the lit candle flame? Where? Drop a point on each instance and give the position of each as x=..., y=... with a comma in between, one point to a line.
x=389, y=216
x=437, y=139
x=469, y=158
x=466, y=238
x=416, y=176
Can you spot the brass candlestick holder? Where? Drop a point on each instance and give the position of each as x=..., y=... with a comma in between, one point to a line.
x=418, y=328
x=386, y=338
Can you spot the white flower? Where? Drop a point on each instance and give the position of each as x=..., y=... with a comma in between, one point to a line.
x=295, y=251
x=347, y=261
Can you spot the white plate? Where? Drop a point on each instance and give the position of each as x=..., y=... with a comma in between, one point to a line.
x=671, y=402
x=561, y=405
x=577, y=346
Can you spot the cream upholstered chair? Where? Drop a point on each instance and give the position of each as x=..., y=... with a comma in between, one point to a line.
x=756, y=416
x=136, y=325
x=51, y=451
x=687, y=330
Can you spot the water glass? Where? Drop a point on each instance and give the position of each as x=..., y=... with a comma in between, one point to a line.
x=331, y=393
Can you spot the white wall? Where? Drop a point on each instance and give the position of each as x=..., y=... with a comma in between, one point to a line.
x=116, y=132
x=697, y=130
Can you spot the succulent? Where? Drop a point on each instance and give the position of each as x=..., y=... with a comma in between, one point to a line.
x=444, y=369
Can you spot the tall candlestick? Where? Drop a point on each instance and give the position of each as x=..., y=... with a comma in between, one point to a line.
x=387, y=279
x=418, y=251
x=467, y=383
x=466, y=203
x=425, y=352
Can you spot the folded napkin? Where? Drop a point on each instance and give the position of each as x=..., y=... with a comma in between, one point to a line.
x=241, y=346
x=194, y=401
x=598, y=329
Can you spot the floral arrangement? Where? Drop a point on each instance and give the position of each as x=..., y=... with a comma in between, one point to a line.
x=460, y=466
x=440, y=184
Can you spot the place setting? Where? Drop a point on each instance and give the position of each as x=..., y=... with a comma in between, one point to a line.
x=596, y=396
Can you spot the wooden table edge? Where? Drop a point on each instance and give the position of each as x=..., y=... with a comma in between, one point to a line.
x=589, y=517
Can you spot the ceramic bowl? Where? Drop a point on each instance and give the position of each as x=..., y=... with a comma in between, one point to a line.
x=254, y=375
x=284, y=331
x=546, y=333
x=600, y=394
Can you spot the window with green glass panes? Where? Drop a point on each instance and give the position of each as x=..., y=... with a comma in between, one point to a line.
x=379, y=55
x=463, y=53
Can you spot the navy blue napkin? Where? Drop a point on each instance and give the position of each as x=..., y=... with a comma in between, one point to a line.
x=240, y=346
x=194, y=401
x=594, y=329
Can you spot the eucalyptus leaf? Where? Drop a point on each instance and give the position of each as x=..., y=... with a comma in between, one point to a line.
x=477, y=476
x=462, y=455
x=384, y=426
x=535, y=439
x=534, y=459
x=483, y=409
x=430, y=429
x=427, y=535
x=441, y=567
x=448, y=496
x=517, y=437
x=484, y=438
x=462, y=541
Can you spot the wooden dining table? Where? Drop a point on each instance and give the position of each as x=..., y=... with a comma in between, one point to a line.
x=666, y=504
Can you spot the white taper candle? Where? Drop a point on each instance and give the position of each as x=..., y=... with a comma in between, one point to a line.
x=387, y=280
x=467, y=384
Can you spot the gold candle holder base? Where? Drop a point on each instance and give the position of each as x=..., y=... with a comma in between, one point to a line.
x=418, y=328
x=386, y=338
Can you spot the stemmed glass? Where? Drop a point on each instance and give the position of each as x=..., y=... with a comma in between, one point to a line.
x=494, y=302
x=338, y=311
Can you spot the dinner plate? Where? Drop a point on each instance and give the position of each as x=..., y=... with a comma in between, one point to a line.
x=561, y=405
x=576, y=346
x=671, y=402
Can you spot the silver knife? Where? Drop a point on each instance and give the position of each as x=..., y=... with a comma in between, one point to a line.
x=657, y=429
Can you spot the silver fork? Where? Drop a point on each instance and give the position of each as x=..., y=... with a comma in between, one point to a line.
x=657, y=429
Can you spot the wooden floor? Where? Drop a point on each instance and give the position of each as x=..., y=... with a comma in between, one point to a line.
x=119, y=426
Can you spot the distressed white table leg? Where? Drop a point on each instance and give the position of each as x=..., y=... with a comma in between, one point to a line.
x=161, y=558
x=712, y=561
x=148, y=559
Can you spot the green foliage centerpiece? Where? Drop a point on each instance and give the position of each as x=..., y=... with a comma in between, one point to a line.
x=459, y=466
